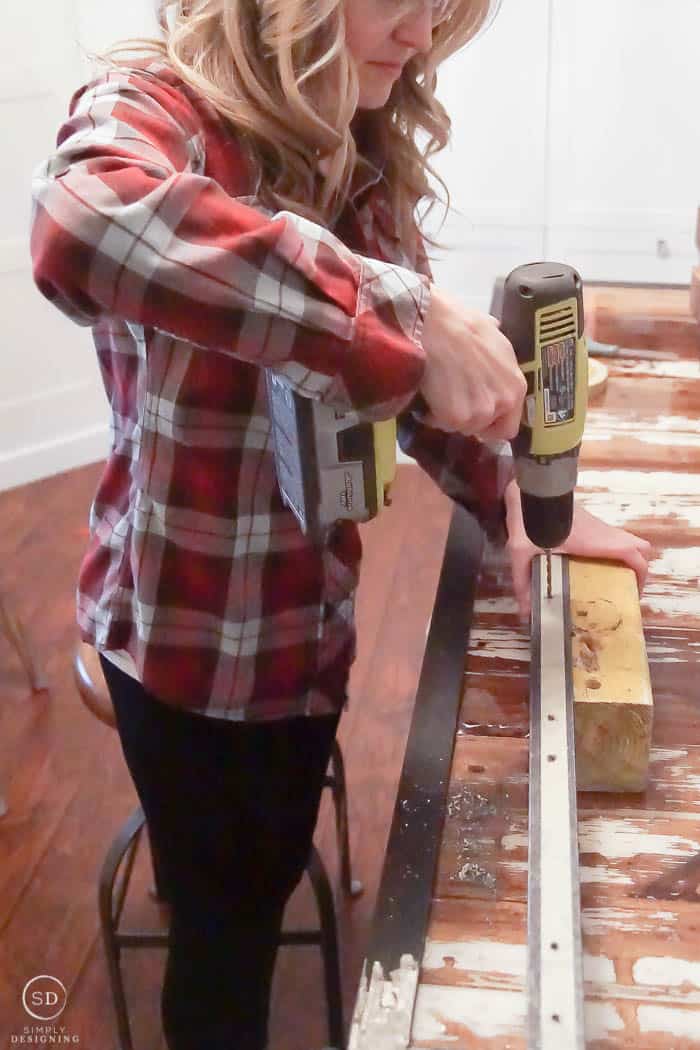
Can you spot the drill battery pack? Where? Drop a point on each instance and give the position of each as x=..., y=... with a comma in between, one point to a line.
x=330, y=465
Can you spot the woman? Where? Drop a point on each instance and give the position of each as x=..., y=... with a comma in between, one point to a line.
x=241, y=195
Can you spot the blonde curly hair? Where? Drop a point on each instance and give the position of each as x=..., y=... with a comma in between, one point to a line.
x=279, y=72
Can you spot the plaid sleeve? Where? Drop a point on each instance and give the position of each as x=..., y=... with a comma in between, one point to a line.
x=123, y=224
x=471, y=472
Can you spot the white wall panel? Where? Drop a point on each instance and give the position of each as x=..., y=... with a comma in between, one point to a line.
x=99, y=25
x=624, y=178
x=53, y=410
x=495, y=93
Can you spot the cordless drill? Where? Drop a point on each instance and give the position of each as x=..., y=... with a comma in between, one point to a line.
x=332, y=466
x=540, y=307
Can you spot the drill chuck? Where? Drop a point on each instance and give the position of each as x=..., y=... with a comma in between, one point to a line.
x=547, y=519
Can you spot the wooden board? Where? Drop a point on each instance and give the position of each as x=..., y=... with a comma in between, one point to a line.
x=639, y=852
x=641, y=991
x=640, y=870
x=613, y=707
x=631, y=846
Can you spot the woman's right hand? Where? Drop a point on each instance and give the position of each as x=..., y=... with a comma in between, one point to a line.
x=472, y=381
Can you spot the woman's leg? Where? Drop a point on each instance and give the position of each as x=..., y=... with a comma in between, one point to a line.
x=231, y=809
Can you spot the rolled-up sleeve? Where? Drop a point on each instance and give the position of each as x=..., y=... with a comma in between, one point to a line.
x=124, y=224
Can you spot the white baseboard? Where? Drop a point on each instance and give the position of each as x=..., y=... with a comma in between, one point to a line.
x=34, y=462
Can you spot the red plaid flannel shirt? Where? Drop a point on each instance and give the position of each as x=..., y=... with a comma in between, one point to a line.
x=145, y=227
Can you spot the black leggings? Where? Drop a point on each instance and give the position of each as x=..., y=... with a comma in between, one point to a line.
x=231, y=809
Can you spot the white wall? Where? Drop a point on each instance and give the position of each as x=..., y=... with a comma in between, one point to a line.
x=574, y=137
x=53, y=411
x=495, y=166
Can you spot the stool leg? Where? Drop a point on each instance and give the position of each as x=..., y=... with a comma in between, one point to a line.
x=14, y=630
x=127, y=839
x=329, y=948
x=353, y=887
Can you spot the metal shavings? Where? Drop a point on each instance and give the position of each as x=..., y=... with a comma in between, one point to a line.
x=468, y=807
x=476, y=874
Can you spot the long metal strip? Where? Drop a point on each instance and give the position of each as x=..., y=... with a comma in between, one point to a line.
x=384, y=1008
x=555, y=966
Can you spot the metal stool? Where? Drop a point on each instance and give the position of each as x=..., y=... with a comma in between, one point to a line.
x=122, y=854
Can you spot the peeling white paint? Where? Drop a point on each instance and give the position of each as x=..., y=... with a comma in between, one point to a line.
x=489, y=1014
x=647, y=483
x=601, y=1019
x=660, y=654
x=664, y=426
x=502, y=961
x=496, y=605
x=514, y=867
x=482, y=956
x=485, y=1012
x=598, y=969
x=666, y=971
x=681, y=563
x=639, y=431
x=670, y=601
x=664, y=754
x=683, y=1023
x=680, y=369
x=652, y=993
x=635, y=815
x=499, y=643
x=619, y=510
x=514, y=841
x=616, y=839
x=597, y=921
x=603, y=874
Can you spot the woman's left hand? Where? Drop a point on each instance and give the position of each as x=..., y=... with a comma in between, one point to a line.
x=589, y=537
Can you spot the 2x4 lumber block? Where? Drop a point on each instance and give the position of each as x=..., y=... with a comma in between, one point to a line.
x=613, y=703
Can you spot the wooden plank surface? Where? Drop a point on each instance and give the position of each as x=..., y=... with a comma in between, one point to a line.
x=639, y=852
x=613, y=706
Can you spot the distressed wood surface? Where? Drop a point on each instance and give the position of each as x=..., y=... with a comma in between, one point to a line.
x=639, y=852
x=613, y=705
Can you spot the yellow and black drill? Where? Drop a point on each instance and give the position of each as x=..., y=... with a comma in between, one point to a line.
x=540, y=307
x=332, y=466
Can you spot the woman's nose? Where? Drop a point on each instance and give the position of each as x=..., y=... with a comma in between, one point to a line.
x=416, y=29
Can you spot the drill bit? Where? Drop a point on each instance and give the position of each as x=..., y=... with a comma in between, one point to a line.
x=548, y=557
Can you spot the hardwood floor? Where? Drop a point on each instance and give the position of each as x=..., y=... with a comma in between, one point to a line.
x=68, y=789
